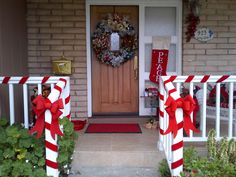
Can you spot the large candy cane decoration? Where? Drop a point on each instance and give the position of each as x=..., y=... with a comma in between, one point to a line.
x=51, y=144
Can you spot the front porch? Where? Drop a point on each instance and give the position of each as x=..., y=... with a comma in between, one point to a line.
x=124, y=155
x=137, y=153
x=117, y=154
x=34, y=32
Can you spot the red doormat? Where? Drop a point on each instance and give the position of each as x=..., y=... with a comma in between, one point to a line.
x=113, y=128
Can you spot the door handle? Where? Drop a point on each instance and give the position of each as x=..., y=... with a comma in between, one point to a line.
x=135, y=67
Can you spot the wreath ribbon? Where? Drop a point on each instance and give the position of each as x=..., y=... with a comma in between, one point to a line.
x=187, y=104
x=41, y=105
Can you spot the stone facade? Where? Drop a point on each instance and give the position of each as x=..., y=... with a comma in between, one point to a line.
x=57, y=27
x=217, y=56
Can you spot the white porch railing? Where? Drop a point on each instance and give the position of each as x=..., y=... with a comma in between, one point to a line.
x=170, y=86
x=60, y=88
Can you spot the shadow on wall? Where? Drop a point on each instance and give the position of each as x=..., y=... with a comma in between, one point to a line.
x=4, y=102
x=13, y=52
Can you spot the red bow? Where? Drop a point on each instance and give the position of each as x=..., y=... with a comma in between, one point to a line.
x=41, y=105
x=188, y=105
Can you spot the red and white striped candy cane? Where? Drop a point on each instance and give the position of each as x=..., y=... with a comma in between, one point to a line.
x=51, y=144
x=65, y=95
x=177, y=142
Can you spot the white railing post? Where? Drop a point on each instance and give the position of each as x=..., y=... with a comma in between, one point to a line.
x=218, y=110
x=11, y=104
x=26, y=110
x=161, y=114
x=203, y=116
x=39, y=89
x=231, y=96
x=191, y=93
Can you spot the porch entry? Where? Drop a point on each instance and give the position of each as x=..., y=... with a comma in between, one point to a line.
x=114, y=89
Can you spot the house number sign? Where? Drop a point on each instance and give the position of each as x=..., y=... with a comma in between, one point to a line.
x=203, y=34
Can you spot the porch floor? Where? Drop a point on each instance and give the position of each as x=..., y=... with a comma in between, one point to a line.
x=117, y=155
x=123, y=155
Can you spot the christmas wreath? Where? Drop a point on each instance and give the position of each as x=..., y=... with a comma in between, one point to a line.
x=127, y=40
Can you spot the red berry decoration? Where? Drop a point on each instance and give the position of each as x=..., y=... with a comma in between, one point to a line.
x=192, y=20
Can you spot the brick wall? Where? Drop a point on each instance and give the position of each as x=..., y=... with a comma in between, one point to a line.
x=217, y=56
x=56, y=28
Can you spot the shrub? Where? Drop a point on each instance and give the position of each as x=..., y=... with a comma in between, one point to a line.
x=66, y=146
x=190, y=155
x=223, y=150
x=22, y=154
x=221, y=160
x=164, y=169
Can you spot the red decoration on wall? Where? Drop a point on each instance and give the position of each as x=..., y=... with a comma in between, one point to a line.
x=159, y=64
x=192, y=20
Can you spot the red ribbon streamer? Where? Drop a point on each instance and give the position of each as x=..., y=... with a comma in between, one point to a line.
x=6, y=80
x=188, y=105
x=41, y=105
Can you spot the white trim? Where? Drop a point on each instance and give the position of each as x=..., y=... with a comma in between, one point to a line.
x=134, y=2
x=142, y=74
x=179, y=34
x=89, y=70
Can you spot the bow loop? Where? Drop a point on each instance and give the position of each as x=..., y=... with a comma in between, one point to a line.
x=170, y=103
x=188, y=105
x=170, y=109
x=41, y=105
x=47, y=103
x=56, y=105
x=39, y=102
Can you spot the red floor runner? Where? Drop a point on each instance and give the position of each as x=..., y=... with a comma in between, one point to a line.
x=113, y=128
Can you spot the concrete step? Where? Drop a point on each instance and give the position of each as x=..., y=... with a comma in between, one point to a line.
x=114, y=172
x=118, y=158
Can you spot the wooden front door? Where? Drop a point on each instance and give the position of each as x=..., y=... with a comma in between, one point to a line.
x=114, y=89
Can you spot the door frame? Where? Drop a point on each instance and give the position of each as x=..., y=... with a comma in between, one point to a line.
x=142, y=41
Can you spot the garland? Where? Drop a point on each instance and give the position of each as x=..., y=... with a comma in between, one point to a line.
x=101, y=40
